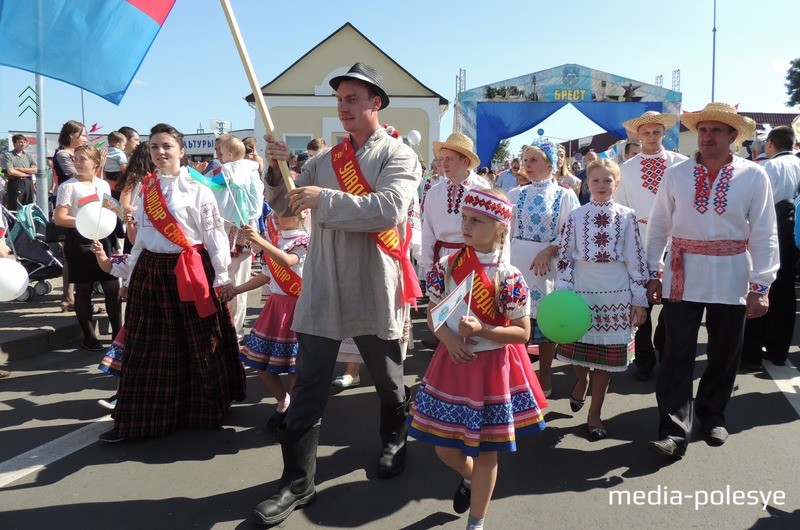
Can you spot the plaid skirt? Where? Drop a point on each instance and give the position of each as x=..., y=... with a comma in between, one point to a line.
x=179, y=370
x=608, y=357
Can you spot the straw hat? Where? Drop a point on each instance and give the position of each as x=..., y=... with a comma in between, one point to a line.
x=651, y=116
x=366, y=74
x=724, y=113
x=459, y=143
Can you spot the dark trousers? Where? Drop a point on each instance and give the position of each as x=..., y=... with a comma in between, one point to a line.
x=646, y=343
x=776, y=329
x=725, y=326
x=19, y=191
x=316, y=360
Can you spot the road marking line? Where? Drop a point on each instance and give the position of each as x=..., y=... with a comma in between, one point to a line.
x=788, y=380
x=44, y=455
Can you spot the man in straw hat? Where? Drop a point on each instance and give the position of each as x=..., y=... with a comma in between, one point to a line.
x=441, y=225
x=359, y=193
x=774, y=330
x=717, y=208
x=640, y=178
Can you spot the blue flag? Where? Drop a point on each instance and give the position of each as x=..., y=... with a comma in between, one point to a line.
x=97, y=45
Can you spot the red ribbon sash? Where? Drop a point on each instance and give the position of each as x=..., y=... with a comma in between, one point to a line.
x=719, y=247
x=289, y=281
x=192, y=282
x=483, y=292
x=352, y=181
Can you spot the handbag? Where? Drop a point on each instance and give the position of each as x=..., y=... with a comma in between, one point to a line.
x=54, y=233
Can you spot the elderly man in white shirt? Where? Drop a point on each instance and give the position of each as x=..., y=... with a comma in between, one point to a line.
x=717, y=210
x=774, y=330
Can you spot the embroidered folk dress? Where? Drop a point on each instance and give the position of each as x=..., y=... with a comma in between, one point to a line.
x=600, y=257
x=486, y=404
x=272, y=345
x=540, y=211
x=737, y=206
x=640, y=178
x=441, y=220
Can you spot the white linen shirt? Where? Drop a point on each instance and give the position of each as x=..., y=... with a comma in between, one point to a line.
x=439, y=224
x=640, y=178
x=194, y=207
x=741, y=209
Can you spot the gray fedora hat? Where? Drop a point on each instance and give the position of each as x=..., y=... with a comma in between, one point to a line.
x=366, y=74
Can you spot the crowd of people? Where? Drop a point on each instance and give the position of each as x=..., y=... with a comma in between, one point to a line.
x=710, y=233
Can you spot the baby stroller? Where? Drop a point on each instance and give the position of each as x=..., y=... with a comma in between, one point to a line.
x=27, y=241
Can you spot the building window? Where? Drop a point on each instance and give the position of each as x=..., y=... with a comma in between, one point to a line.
x=297, y=142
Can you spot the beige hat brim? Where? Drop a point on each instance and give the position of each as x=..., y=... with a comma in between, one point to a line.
x=745, y=127
x=474, y=161
x=667, y=120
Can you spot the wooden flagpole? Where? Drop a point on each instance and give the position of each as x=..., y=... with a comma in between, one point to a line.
x=261, y=105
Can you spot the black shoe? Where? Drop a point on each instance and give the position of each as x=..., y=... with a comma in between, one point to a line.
x=276, y=420
x=666, y=447
x=747, y=368
x=92, y=345
x=278, y=507
x=394, y=430
x=715, y=436
x=299, y=451
x=643, y=374
x=461, y=499
x=110, y=437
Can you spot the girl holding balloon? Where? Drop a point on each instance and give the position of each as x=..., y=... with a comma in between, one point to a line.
x=600, y=257
x=86, y=187
x=480, y=391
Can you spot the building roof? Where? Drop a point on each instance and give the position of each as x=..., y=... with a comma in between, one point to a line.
x=265, y=89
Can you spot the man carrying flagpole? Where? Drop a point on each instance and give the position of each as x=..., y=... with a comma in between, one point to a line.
x=358, y=193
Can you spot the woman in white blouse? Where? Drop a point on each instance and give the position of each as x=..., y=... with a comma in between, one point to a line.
x=180, y=368
x=82, y=265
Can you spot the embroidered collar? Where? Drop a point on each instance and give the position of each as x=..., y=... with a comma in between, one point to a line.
x=542, y=184
x=609, y=202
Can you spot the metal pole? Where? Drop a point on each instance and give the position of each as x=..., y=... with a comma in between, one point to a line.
x=42, y=182
x=83, y=112
x=714, y=51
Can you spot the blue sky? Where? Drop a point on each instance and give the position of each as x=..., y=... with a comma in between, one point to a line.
x=192, y=72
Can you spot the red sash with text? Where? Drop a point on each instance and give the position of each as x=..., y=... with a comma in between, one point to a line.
x=189, y=272
x=289, y=281
x=483, y=292
x=352, y=181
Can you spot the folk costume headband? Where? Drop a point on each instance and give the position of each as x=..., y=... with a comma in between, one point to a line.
x=550, y=150
x=487, y=204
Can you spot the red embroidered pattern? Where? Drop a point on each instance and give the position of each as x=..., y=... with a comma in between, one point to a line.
x=702, y=189
x=611, y=317
x=652, y=171
x=488, y=205
x=718, y=247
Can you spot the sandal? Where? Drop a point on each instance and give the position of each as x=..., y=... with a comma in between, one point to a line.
x=576, y=404
x=596, y=433
x=97, y=310
x=67, y=307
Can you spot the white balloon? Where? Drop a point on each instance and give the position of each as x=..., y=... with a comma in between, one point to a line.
x=95, y=222
x=414, y=137
x=13, y=280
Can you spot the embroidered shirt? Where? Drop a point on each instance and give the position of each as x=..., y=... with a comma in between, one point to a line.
x=540, y=210
x=603, y=232
x=739, y=207
x=193, y=206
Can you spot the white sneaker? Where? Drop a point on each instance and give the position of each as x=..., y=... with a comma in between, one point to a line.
x=109, y=403
x=346, y=381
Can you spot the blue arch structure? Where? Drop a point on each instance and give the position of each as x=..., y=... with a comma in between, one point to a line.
x=491, y=113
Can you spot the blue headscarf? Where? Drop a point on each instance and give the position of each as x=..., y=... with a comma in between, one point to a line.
x=550, y=150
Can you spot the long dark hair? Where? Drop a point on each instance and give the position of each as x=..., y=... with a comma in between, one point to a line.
x=139, y=165
x=67, y=130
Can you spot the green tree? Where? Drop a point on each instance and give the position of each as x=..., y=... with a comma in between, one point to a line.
x=502, y=154
x=793, y=83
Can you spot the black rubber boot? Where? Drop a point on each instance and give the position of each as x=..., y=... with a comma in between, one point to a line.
x=394, y=429
x=299, y=448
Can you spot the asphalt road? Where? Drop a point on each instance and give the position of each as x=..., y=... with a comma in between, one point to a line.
x=53, y=472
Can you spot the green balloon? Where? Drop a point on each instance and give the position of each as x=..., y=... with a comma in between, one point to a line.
x=563, y=316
